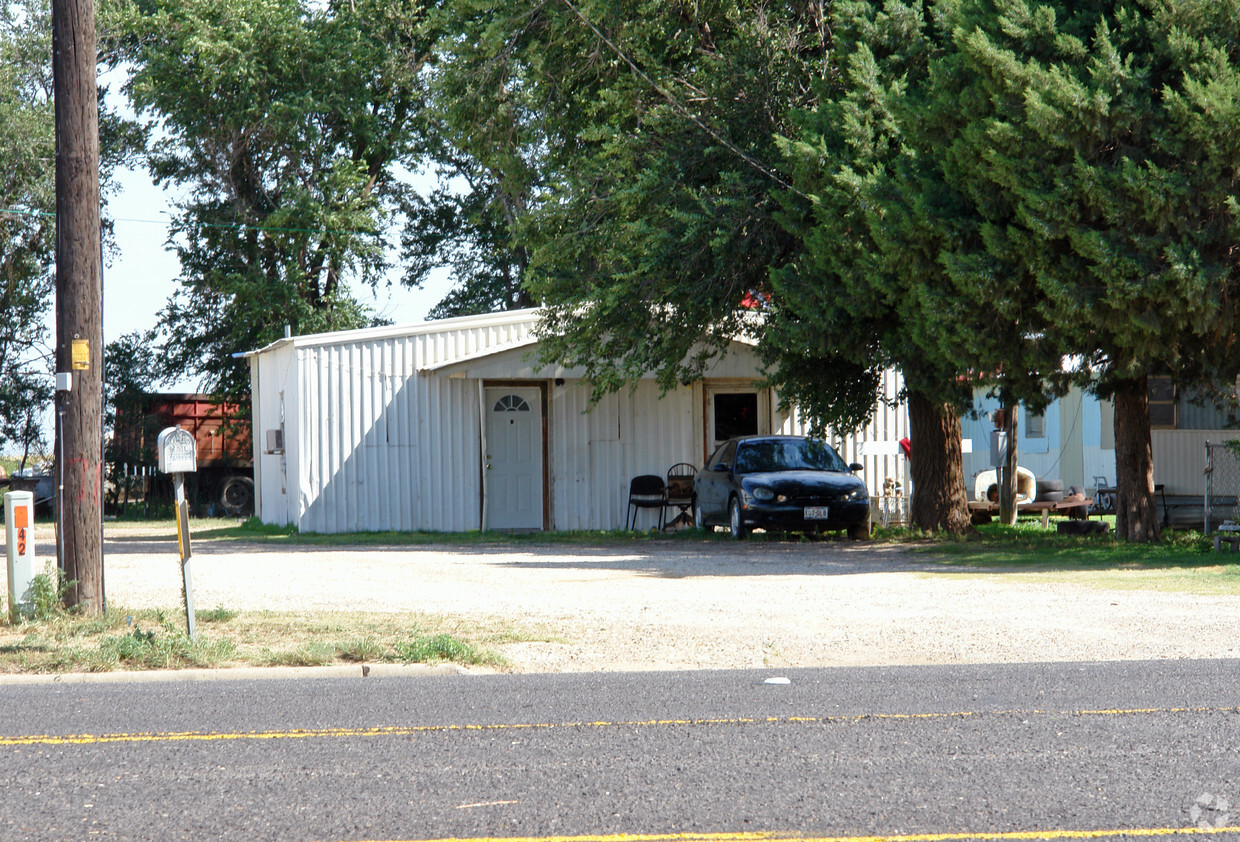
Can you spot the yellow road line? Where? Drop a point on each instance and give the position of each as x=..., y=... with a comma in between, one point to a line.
x=1138, y=832
x=411, y=730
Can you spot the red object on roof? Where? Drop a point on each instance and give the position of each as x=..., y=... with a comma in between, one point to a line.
x=753, y=300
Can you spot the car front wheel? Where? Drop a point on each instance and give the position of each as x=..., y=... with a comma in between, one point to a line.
x=735, y=525
x=699, y=520
x=859, y=531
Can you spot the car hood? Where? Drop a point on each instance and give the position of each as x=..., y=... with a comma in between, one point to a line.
x=822, y=482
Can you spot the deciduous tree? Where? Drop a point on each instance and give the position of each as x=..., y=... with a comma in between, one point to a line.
x=285, y=122
x=27, y=215
x=27, y=221
x=656, y=219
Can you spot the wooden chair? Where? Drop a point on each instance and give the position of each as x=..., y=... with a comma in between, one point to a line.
x=679, y=493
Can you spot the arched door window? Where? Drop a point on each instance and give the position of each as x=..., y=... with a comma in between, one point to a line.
x=511, y=403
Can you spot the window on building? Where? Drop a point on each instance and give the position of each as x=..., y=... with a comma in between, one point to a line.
x=511, y=403
x=1164, y=413
x=1035, y=425
x=736, y=415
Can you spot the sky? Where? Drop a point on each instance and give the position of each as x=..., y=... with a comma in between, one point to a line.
x=140, y=274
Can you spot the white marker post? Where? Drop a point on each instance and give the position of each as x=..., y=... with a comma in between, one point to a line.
x=19, y=526
x=178, y=454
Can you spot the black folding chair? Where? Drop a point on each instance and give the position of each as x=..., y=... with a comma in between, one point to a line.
x=645, y=492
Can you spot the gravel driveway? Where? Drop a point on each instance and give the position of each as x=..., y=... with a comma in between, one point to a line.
x=704, y=606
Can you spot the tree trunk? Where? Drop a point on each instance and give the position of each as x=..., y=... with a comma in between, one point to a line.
x=939, y=501
x=79, y=304
x=1007, y=471
x=1136, y=511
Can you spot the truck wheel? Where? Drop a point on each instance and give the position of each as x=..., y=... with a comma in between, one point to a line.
x=237, y=497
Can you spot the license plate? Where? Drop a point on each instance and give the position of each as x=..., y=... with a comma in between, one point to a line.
x=815, y=512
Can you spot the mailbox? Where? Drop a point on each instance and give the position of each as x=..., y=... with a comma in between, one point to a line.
x=178, y=453
x=19, y=524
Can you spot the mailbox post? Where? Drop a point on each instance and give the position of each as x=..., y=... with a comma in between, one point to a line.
x=19, y=524
x=178, y=454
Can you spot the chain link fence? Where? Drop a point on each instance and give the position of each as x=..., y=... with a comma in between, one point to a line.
x=1222, y=484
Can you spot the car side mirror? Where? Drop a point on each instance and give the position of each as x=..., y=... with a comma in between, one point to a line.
x=856, y=466
x=723, y=467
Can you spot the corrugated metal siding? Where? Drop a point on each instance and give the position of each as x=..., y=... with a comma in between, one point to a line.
x=1180, y=457
x=273, y=390
x=453, y=344
x=887, y=426
x=1204, y=416
x=386, y=449
x=448, y=435
x=596, y=454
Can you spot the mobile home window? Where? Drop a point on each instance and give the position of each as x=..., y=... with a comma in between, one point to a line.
x=1035, y=425
x=1163, y=405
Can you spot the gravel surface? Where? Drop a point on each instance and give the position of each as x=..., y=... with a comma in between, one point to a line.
x=685, y=606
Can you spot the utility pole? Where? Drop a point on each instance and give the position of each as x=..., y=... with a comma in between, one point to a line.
x=79, y=304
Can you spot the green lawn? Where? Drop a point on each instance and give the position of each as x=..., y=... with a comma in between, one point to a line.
x=1183, y=561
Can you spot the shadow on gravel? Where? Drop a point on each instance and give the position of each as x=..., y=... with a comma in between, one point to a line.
x=662, y=559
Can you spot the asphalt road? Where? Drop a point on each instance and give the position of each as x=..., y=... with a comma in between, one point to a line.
x=929, y=753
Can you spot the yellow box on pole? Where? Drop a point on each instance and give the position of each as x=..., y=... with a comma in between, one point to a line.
x=80, y=353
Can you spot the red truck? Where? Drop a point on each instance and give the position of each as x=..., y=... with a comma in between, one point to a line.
x=225, y=476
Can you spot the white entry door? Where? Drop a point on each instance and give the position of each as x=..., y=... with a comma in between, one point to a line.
x=514, y=458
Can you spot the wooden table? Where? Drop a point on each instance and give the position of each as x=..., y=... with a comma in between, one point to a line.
x=1044, y=507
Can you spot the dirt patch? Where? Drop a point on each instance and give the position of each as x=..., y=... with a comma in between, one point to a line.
x=693, y=606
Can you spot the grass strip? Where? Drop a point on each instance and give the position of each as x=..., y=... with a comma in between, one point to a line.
x=122, y=639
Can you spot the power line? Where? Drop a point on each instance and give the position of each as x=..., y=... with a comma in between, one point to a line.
x=240, y=226
x=18, y=212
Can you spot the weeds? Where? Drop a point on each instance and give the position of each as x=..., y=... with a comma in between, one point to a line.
x=47, y=594
x=307, y=655
x=156, y=639
x=361, y=650
x=215, y=615
x=437, y=648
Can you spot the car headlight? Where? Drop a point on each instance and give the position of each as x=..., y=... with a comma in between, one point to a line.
x=854, y=495
x=762, y=493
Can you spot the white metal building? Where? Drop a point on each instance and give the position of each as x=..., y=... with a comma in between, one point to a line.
x=451, y=426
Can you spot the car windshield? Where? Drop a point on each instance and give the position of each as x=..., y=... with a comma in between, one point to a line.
x=787, y=455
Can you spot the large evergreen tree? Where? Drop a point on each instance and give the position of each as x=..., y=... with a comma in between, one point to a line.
x=1099, y=148
x=866, y=284
x=657, y=217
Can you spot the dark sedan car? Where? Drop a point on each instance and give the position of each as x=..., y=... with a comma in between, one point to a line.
x=792, y=483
